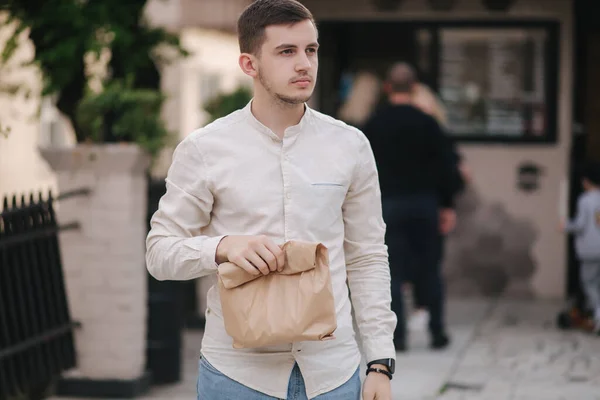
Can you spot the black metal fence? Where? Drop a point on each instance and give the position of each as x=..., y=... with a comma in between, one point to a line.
x=36, y=330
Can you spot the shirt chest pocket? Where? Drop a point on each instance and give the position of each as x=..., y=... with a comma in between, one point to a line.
x=322, y=203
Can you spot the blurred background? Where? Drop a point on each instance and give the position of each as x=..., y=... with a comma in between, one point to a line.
x=95, y=95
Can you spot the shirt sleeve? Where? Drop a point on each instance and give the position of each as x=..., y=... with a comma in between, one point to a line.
x=367, y=258
x=577, y=224
x=175, y=247
x=449, y=178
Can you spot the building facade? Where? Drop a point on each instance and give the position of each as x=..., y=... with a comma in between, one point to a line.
x=508, y=73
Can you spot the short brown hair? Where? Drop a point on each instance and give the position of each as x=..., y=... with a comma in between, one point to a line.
x=262, y=13
x=402, y=77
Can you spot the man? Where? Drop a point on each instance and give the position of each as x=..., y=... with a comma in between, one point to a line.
x=272, y=172
x=418, y=179
x=427, y=101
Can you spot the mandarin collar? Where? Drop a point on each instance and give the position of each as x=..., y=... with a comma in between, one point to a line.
x=289, y=132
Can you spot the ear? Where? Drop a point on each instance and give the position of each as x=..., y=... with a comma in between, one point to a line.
x=387, y=88
x=248, y=64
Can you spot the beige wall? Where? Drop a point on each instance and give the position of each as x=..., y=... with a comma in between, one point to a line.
x=21, y=167
x=213, y=54
x=494, y=166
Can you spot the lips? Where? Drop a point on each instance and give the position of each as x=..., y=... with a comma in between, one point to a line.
x=302, y=80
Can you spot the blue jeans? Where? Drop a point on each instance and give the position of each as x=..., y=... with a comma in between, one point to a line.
x=213, y=385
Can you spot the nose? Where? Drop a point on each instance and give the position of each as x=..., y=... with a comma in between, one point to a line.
x=304, y=63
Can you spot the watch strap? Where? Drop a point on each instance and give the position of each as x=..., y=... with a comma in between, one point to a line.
x=380, y=371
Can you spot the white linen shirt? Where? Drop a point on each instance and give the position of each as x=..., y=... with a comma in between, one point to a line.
x=318, y=184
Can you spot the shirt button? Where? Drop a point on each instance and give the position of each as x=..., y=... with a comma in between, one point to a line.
x=288, y=196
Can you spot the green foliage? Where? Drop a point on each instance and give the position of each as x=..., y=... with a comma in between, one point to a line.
x=226, y=103
x=65, y=31
x=123, y=113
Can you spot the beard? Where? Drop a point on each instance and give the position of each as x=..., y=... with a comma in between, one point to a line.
x=281, y=98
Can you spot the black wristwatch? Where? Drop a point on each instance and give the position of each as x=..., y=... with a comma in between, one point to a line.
x=390, y=363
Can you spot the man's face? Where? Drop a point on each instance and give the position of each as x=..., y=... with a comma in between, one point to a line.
x=287, y=64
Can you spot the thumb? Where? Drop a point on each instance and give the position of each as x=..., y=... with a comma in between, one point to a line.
x=281, y=260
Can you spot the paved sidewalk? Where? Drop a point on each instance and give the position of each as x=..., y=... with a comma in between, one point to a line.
x=504, y=350
x=421, y=372
x=518, y=354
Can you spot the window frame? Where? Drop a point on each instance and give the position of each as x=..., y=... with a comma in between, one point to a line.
x=551, y=71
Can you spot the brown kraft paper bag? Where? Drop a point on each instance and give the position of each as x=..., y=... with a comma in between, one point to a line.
x=293, y=305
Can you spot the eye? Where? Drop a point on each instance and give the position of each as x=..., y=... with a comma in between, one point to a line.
x=311, y=50
x=287, y=52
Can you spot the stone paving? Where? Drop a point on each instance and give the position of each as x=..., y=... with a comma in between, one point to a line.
x=501, y=350
x=518, y=354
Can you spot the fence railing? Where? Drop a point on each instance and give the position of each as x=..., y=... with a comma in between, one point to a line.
x=36, y=330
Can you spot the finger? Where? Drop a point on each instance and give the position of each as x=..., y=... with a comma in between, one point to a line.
x=246, y=266
x=265, y=253
x=277, y=252
x=258, y=262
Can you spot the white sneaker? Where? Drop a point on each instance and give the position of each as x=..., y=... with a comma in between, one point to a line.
x=418, y=321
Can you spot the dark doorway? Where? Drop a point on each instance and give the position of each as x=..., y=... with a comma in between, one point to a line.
x=349, y=47
x=586, y=134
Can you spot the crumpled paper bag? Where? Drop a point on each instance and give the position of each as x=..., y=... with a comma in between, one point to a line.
x=293, y=305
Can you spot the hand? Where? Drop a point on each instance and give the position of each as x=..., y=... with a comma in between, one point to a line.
x=447, y=220
x=465, y=172
x=255, y=254
x=377, y=386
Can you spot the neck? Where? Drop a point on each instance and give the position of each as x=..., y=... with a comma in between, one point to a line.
x=274, y=113
x=400, y=98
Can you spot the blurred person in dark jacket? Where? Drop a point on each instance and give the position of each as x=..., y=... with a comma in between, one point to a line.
x=425, y=99
x=419, y=176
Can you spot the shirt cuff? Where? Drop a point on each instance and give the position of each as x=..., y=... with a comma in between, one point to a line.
x=379, y=349
x=207, y=247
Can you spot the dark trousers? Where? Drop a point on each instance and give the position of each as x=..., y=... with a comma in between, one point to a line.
x=413, y=242
x=419, y=298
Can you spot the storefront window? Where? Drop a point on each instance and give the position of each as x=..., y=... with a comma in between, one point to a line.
x=494, y=82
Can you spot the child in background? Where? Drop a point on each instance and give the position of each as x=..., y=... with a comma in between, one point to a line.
x=586, y=228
